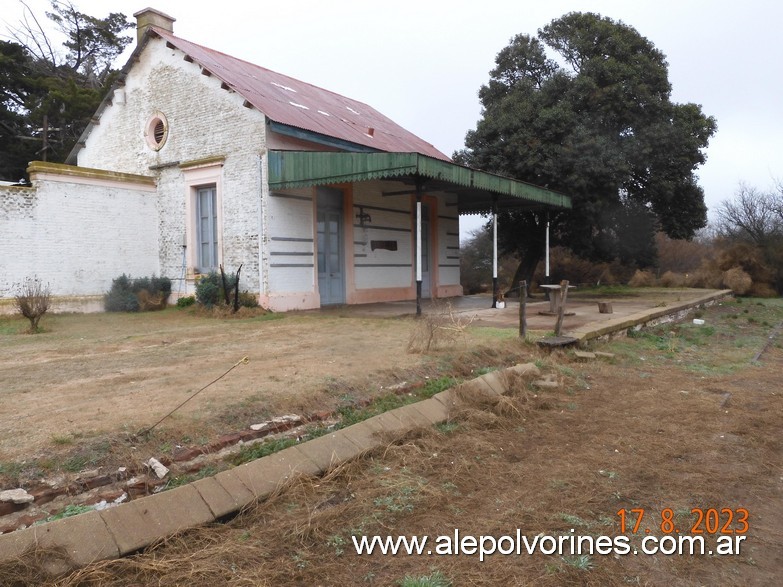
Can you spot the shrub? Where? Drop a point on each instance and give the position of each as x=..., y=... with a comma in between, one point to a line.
x=681, y=256
x=209, y=289
x=186, y=301
x=762, y=290
x=642, y=279
x=706, y=276
x=121, y=297
x=248, y=300
x=672, y=279
x=737, y=280
x=131, y=295
x=565, y=264
x=161, y=285
x=33, y=301
x=752, y=260
x=210, y=292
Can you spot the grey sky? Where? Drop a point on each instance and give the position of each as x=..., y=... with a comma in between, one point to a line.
x=421, y=63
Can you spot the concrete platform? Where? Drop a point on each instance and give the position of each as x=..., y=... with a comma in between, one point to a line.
x=583, y=320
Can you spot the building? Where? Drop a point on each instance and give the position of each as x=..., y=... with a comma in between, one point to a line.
x=197, y=159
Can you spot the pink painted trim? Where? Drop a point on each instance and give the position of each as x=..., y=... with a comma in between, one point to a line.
x=449, y=291
x=286, y=302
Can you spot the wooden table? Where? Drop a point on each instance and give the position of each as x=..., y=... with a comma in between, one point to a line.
x=555, y=297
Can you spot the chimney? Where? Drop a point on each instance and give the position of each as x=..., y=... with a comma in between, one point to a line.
x=150, y=17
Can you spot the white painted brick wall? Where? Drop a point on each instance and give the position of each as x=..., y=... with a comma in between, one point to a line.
x=448, y=236
x=204, y=121
x=370, y=194
x=76, y=237
x=290, y=216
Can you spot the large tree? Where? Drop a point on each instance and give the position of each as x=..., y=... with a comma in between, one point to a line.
x=17, y=146
x=598, y=124
x=48, y=95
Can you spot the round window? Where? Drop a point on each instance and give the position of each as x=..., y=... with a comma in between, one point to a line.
x=157, y=131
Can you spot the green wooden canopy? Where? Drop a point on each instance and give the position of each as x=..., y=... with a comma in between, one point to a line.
x=476, y=190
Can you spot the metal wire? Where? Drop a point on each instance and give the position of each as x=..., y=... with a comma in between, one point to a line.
x=242, y=361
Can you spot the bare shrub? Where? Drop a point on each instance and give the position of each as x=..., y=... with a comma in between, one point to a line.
x=642, y=279
x=748, y=258
x=681, y=256
x=762, y=290
x=707, y=276
x=150, y=302
x=33, y=301
x=438, y=327
x=565, y=264
x=672, y=279
x=737, y=280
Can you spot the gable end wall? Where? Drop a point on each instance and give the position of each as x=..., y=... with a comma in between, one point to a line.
x=205, y=122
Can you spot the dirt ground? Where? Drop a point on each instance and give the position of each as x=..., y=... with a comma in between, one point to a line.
x=79, y=392
x=680, y=418
x=97, y=374
x=92, y=375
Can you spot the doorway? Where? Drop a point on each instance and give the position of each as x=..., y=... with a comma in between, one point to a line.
x=426, y=275
x=331, y=264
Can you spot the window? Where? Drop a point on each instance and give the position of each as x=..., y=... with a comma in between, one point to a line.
x=203, y=222
x=157, y=131
x=207, y=229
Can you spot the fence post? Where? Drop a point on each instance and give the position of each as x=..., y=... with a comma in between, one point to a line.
x=522, y=309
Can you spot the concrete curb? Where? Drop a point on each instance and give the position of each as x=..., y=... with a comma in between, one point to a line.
x=619, y=326
x=129, y=527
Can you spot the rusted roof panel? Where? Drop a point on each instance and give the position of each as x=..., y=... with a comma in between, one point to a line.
x=290, y=101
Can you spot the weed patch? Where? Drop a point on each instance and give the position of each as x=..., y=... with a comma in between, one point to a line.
x=260, y=450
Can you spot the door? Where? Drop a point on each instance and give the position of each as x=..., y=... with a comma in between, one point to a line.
x=329, y=220
x=426, y=290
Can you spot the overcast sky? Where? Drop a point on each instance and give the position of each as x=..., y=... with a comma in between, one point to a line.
x=421, y=63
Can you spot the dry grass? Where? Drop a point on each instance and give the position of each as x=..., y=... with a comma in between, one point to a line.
x=628, y=433
x=679, y=419
x=440, y=327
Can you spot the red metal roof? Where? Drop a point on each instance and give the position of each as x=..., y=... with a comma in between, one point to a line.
x=289, y=101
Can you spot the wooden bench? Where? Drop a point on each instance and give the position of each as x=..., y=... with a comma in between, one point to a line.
x=553, y=342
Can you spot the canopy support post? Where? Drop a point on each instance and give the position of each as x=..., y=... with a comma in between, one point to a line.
x=494, y=252
x=419, y=183
x=546, y=247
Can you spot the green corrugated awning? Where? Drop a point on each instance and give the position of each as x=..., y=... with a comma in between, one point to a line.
x=476, y=190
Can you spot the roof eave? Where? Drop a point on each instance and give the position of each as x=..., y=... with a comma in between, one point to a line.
x=107, y=99
x=481, y=190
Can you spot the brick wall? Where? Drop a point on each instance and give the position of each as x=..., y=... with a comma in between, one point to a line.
x=205, y=122
x=76, y=234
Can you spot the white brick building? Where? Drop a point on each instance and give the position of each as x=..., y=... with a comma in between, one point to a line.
x=197, y=159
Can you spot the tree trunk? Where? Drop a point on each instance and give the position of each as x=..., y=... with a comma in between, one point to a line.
x=525, y=270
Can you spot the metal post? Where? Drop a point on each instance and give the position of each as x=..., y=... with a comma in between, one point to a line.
x=546, y=272
x=494, y=253
x=418, y=247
